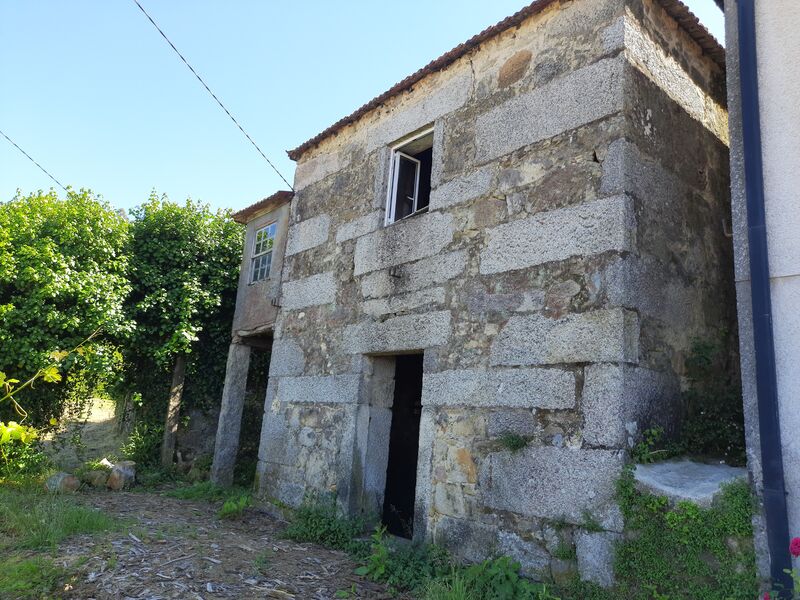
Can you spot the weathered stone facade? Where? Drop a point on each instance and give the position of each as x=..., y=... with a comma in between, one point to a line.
x=573, y=248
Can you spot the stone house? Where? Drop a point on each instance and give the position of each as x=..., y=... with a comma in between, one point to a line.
x=518, y=242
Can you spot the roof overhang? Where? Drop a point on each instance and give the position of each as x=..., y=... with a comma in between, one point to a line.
x=674, y=8
x=266, y=205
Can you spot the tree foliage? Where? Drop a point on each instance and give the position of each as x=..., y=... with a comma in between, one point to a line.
x=184, y=274
x=63, y=276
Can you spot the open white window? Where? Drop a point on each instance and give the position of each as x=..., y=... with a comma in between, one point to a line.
x=410, y=177
x=261, y=259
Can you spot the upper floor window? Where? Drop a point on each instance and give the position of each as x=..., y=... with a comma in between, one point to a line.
x=262, y=252
x=410, y=177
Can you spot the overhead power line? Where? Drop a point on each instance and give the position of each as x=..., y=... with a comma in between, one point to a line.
x=213, y=95
x=30, y=158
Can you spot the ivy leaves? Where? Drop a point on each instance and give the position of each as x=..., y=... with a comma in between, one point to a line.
x=183, y=259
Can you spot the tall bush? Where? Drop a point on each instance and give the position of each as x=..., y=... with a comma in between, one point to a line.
x=184, y=275
x=62, y=277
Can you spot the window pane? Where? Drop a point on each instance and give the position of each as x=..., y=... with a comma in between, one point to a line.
x=265, y=238
x=406, y=189
x=260, y=267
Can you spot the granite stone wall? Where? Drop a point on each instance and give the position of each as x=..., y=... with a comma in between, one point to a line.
x=573, y=248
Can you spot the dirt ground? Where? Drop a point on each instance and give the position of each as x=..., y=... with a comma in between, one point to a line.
x=181, y=549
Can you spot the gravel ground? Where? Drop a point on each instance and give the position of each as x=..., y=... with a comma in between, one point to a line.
x=181, y=549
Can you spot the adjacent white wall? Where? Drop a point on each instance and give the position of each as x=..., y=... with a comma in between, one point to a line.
x=778, y=47
x=778, y=44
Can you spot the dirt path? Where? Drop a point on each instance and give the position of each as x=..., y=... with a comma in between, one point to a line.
x=181, y=549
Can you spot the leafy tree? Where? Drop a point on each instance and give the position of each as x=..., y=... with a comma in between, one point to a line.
x=184, y=272
x=62, y=278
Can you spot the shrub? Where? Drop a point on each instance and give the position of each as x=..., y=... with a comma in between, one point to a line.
x=62, y=277
x=20, y=451
x=144, y=444
x=406, y=567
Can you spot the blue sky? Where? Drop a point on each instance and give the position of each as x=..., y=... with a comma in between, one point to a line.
x=93, y=93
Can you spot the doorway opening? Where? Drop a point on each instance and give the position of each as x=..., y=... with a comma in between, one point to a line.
x=401, y=471
x=252, y=411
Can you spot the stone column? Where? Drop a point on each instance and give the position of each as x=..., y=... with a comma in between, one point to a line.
x=230, y=414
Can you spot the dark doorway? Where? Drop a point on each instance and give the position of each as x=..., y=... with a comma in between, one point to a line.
x=252, y=412
x=401, y=471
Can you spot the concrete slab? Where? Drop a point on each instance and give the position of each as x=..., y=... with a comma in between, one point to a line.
x=686, y=480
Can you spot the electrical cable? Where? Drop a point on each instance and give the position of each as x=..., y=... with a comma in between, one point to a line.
x=208, y=89
x=30, y=158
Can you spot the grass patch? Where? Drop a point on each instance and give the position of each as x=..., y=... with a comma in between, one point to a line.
x=204, y=490
x=31, y=577
x=31, y=518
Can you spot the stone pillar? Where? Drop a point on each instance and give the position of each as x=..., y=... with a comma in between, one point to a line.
x=230, y=414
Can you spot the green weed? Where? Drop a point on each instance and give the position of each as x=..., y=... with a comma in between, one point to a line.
x=513, y=442
x=685, y=551
x=318, y=520
x=234, y=507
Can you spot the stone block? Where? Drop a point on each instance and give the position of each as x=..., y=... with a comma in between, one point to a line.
x=685, y=480
x=581, y=230
x=598, y=336
x=616, y=396
x=525, y=388
x=277, y=445
x=432, y=298
x=308, y=234
x=563, y=572
x=579, y=97
x=358, y=227
x=122, y=476
x=95, y=478
x=409, y=332
x=464, y=188
x=533, y=559
x=287, y=358
x=409, y=277
x=310, y=291
x=596, y=556
x=60, y=483
x=518, y=421
x=470, y=540
x=551, y=483
x=324, y=389
x=402, y=242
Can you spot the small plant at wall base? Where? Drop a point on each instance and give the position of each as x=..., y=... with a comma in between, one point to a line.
x=318, y=520
x=685, y=551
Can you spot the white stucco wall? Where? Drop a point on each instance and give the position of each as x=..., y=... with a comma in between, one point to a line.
x=778, y=47
x=778, y=44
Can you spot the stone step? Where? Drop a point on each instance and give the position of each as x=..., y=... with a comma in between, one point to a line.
x=685, y=479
